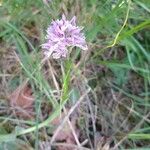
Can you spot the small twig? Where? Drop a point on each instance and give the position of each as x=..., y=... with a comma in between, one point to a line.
x=131, y=110
x=69, y=113
x=72, y=129
x=84, y=142
x=70, y=146
x=53, y=76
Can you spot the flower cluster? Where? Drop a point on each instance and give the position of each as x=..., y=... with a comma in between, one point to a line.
x=62, y=34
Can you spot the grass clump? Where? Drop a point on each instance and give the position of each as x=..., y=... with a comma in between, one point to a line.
x=103, y=94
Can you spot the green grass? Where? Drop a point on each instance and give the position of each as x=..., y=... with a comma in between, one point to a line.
x=115, y=69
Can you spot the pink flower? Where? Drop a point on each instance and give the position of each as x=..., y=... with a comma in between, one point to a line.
x=62, y=34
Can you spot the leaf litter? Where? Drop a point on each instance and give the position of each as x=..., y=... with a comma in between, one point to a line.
x=21, y=100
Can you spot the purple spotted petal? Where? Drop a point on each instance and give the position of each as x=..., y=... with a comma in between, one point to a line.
x=62, y=34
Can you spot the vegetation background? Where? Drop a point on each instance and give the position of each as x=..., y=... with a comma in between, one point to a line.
x=99, y=99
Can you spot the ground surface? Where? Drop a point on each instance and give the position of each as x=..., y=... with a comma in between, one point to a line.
x=98, y=99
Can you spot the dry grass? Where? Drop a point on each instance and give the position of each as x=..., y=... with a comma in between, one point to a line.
x=101, y=103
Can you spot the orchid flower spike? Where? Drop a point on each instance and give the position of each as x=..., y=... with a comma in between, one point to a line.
x=62, y=34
